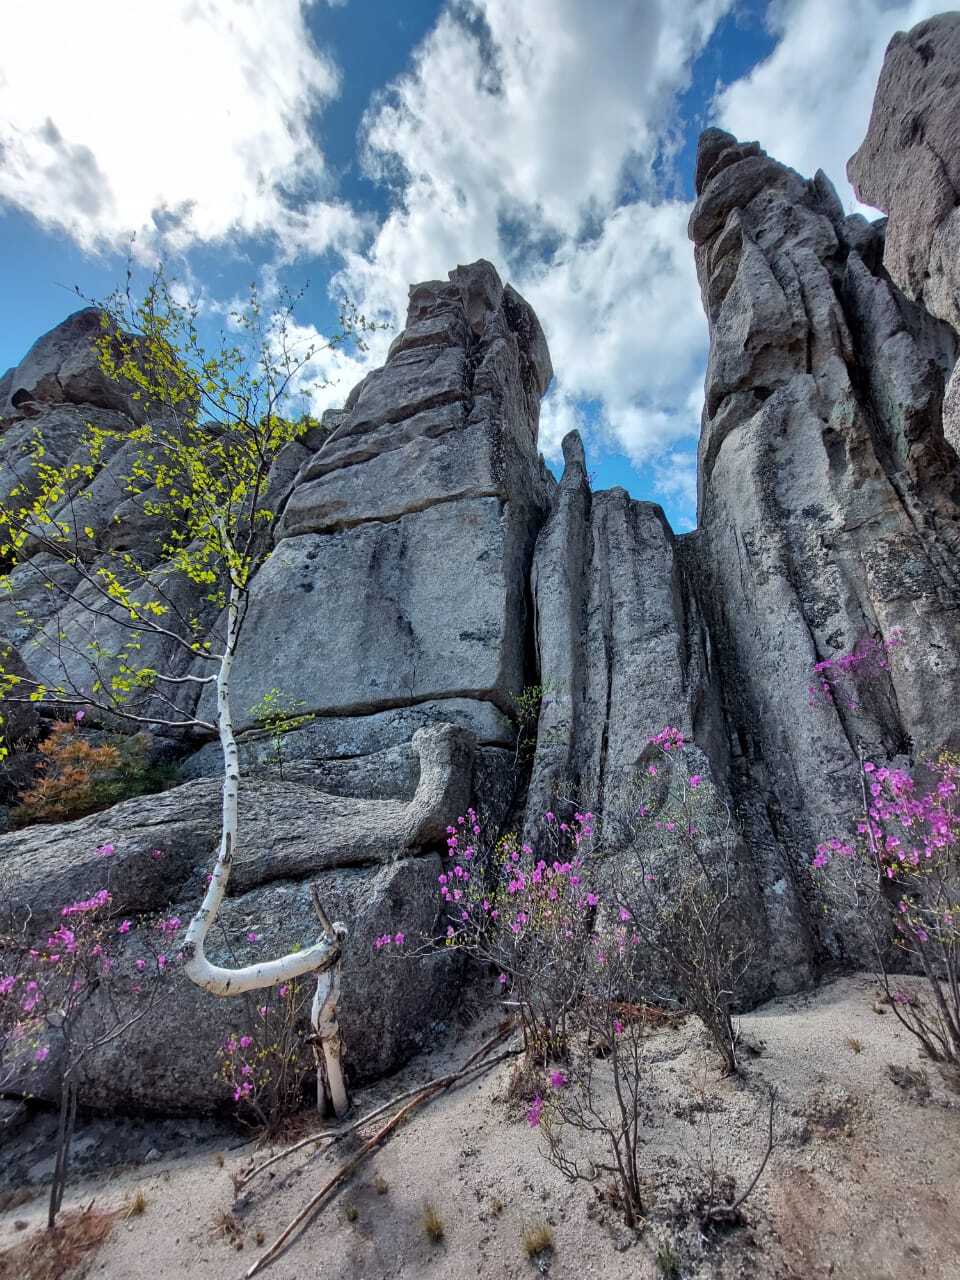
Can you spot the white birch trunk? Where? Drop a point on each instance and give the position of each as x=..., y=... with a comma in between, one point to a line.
x=323, y=1015
x=217, y=980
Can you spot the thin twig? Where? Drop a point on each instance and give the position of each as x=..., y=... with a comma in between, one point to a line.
x=425, y=1093
x=337, y=1135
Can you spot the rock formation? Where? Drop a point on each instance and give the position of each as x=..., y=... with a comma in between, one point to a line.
x=909, y=166
x=425, y=567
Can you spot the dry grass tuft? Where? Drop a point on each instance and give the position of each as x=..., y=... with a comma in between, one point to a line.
x=137, y=1204
x=381, y=1185
x=351, y=1212
x=432, y=1223
x=50, y=1255
x=855, y=1046
x=229, y=1226
x=537, y=1239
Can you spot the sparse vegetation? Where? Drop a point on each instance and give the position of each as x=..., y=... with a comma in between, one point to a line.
x=137, y=1204
x=667, y=1260
x=537, y=1239
x=432, y=1223
x=51, y=1255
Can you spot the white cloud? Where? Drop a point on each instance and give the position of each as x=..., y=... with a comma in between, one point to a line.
x=183, y=121
x=626, y=327
x=523, y=126
x=809, y=102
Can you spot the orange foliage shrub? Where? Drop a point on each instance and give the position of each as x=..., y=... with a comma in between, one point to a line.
x=71, y=777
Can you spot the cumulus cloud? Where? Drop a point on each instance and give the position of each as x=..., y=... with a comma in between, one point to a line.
x=809, y=102
x=494, y=149
x=198, y=128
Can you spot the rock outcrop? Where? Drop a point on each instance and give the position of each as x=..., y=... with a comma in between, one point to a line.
x=430, y=493
x=393, y=605
x=829, y=517
x=909, y=166
x=425, y=567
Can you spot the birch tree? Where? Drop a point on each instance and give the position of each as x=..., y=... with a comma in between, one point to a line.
x=198, y=471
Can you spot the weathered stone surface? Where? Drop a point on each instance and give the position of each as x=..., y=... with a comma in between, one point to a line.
x=909, y=163
x=388, y=1010
x=621, y=646
x=358, y=850
x=412, y=527
x=286, y=829
x=61, y=367
x=828, y=509
x=394, y=622
x=337, y=741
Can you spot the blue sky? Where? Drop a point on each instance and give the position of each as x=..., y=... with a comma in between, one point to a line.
x=363, y=145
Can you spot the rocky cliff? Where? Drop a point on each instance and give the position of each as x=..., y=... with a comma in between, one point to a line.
x=426, y=566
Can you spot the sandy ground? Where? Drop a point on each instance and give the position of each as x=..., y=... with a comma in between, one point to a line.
x=864, y=1183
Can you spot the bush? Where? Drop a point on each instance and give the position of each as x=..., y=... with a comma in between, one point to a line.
x=78, y=777
x=528, y=916
x=678, y=889
x=265, y=1065
x=899, y=878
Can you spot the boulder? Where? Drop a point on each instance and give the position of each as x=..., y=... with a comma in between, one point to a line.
x=399, y=575
x=62, y=368
x=908, y=165
x=374, y=861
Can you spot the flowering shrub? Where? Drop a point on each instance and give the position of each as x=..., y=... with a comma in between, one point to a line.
x=677, y=891
x=900, y=874
x=529, y=916
x=603, y=1091
x=836, y=679
x=47, y=1006
x=265, y=1065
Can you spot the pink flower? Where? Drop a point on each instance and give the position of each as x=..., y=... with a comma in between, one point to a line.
x=253, y=937
x=559, y=1080
x=503, y=980
x=105, y=850
x=230, y=1046
x=624, y=914
x=695, y=780
x=535, y=1112
x=282, y=992
x=79, y=716
x=42, y=1054
x=262, y=1010
x=399, y=939
x=161, y=963
x=123, y=926
x=617, y=1027
x=157, y=854
x=246, y=1042
x=139, y=965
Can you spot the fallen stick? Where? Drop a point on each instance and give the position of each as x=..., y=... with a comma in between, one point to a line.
x=337, y=1135
x=424, y=1094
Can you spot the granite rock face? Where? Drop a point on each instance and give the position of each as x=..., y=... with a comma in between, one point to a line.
x=424, y=567
x=393, y=603
x=375, y=864
x=909, y=163
x=429, y=492
x=829, y=499
x=909, y=166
